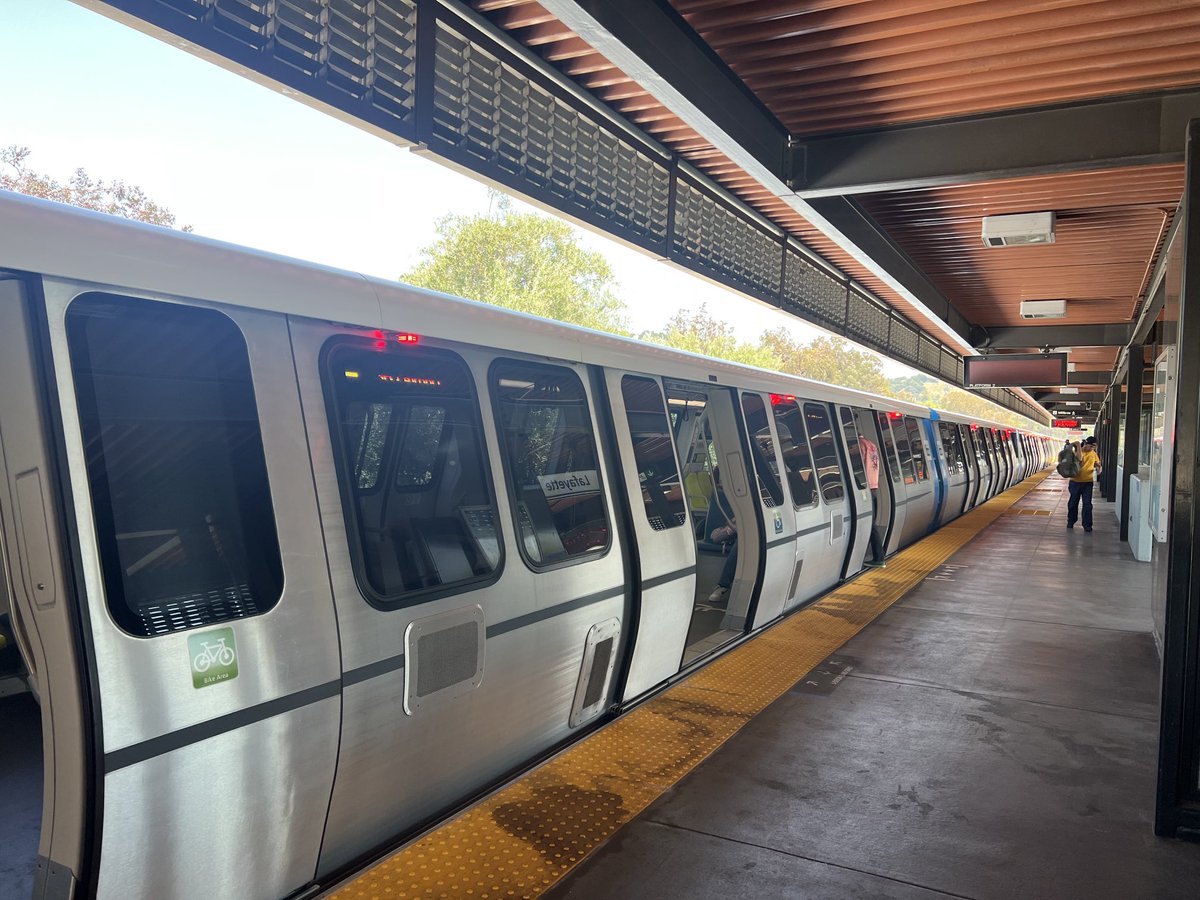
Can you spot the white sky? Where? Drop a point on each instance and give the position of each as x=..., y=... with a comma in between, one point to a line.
x=242, y=163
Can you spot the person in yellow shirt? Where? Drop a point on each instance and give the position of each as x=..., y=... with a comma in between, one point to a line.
x=1080, y=486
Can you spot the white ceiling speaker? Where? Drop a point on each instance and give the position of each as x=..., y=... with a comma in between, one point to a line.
x=1043, y=309
x=1018, y=230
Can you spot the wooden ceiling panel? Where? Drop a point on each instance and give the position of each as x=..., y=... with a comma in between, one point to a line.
x=1108, y=226
x=851, y=65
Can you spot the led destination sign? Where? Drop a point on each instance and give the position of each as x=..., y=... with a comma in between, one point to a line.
x=1015, y=370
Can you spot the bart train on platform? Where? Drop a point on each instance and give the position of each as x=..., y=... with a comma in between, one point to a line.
x=297, y=561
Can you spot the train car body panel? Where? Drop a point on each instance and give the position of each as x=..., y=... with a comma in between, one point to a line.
x=303, y=559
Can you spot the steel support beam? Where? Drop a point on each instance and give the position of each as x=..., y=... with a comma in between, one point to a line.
x=1178, y=796
x=1089, y=377
x=1052, y=398
x=1132, y=403
x=1108, y=134
x=1019, y=337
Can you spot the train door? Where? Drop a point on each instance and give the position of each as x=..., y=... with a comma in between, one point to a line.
x=919, y=516
x=974, y=474
x=207, y=593
x=937, y=468
x=49, y=791
x=916, y=521
x=814, y=570
x=957, y=474
x=666, y=548
x=861, y=509
x=782, y=568
x=726, y=513
x=999, y=473
x=894, y=480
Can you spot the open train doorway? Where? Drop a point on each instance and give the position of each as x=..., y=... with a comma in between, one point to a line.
x=20, y=753
x=716, y=485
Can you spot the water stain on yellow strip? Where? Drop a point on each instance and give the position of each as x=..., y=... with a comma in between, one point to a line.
x=523, y=838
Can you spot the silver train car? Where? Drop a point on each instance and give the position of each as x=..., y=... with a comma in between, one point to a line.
x=296, y=561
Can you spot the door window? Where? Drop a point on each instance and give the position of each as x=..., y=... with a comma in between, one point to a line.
x=550, y=455
x=829, y=469
x=420, y=509
x=850, y=430
x=889, y=446
x=793, y=440
x=902, y=447
x=762, y=450
x=175, y=464
x=653, y=452
x=917, y=447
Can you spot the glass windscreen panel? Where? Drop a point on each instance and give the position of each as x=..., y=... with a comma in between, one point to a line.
x=762, y=450
x=829, y=468
x=653, y=452
x=553, y=469
x=413, y=466
x=175, y=464
x=797, y=458
x=850, y=431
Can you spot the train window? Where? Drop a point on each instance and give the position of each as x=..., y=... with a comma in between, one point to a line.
x=889, y=446
x=550, y=454
x=175, y=463
x=829, y=469
x=653, y=452
x=917, y=448
x=902, y=447
x=419, y=504
x=797, y=459
x=762, y=449
x=850, y=430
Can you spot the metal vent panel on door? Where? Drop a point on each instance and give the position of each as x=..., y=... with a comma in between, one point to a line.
x=443, y=657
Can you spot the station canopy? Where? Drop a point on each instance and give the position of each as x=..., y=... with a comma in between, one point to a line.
x=930, y=178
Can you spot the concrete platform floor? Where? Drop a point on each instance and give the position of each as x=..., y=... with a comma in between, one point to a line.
x=996, y=739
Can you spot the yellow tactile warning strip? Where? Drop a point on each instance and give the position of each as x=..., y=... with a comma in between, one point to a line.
x=523, y=838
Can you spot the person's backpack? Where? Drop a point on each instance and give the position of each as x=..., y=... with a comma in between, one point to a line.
x=1068, y=464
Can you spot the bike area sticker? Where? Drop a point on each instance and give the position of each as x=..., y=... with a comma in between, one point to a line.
x=214, y=657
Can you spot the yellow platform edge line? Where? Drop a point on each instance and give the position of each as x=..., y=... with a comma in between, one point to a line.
x=523, y=838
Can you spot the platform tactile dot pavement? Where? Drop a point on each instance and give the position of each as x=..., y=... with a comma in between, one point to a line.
x=520, y=840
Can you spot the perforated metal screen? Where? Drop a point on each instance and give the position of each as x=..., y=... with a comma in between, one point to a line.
x=442, y=77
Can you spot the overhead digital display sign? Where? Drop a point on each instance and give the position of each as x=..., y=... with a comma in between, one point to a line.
x=1065, y=423
x=1015, y=370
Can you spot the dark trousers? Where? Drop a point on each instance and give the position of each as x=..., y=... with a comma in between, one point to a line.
x=876, y=544
x=1079, y=489
x=729, y=569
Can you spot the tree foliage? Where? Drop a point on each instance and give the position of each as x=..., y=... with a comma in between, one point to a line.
x=829, y=359
x=521, y=261
x=117, y=198
x=700, y=332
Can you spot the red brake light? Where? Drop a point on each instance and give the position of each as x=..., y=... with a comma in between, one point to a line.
x=895, y=415
x=974, y=426
x=406, y=337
